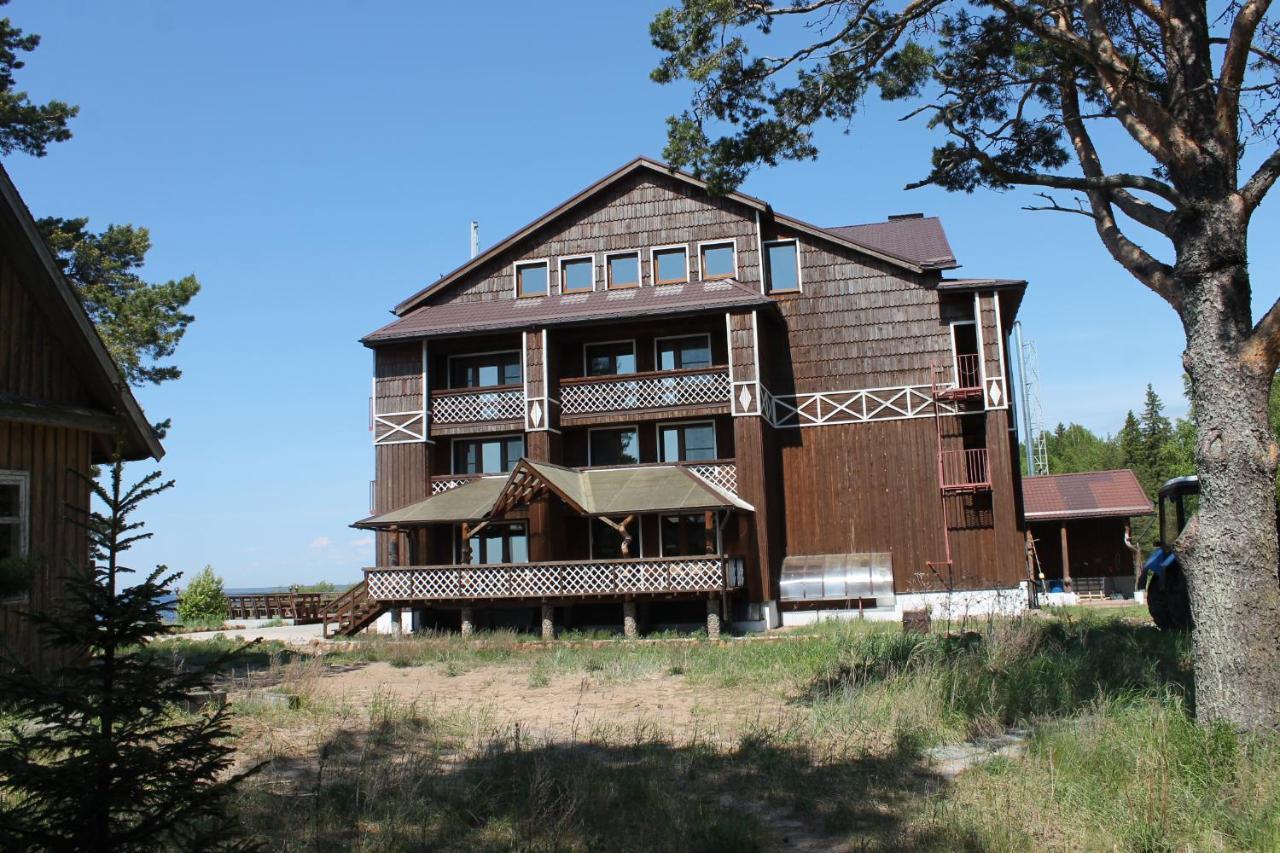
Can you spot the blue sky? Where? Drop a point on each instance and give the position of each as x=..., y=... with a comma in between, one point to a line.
x=313, y=163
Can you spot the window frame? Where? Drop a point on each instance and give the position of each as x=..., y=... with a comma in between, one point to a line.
x=635, y=428
x=608, y=270
x=654, y=251
x=657, y=360
x=497, y=436
x=591, y=259
x=702, y=269
x=457, y=543
x=449, y=369
x=516, y=266
x=21, y=479
x=768, y=268
x=662, y=548
x=715, y=441
x=586, y=359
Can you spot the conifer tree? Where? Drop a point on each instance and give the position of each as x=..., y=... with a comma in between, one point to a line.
x=98, y=754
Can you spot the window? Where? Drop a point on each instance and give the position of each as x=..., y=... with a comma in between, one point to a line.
x=624, y=269
x=531, y=279
x=691, y=442
x=718, y=261
x=964, y=346
x=497, y=455
x=683, y=353
x=782, y=266
x=613, y=446
x=610, y=359
x=670, y=265
x=484, y=371
x=577, y=275
x=685, y=535
x=14, y=486
x=499, y=543
x=606, y=541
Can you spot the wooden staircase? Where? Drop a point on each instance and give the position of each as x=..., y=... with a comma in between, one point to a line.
x=351, y=612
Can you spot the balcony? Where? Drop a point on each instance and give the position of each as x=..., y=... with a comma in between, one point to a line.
x=964, y=470
x=663, y=389
x=967, y=380
x=477, y=405
x=574, y=579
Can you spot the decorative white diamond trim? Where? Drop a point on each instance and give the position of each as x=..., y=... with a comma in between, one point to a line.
x=744, y=398
x=478, y=407
x=722, y=475
x=398, y=428
x=655, y=392
x=559, y=580
x=849, y=407
x=535, y=414
x=994, y=393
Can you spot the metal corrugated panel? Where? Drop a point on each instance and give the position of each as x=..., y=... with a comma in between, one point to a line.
x=831, y=577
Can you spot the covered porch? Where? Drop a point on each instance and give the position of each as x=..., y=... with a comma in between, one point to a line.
x=590, y=525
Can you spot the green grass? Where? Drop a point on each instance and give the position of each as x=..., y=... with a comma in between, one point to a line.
x=1116, y=761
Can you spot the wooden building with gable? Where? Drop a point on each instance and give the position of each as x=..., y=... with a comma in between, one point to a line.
x=63, y=408
x=651, y=397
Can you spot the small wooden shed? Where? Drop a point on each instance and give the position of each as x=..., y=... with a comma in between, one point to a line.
x=1080, y=526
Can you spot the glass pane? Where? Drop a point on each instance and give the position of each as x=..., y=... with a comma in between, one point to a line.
x=532, y=280
x=717, y=261
x=680, y=353
x=699, y=443
x=491, y=456
x=615, y=447
x=783, y=272
x=479, y=371
x=672, y=265
x=510, y=364
x=670, y=444
x=610, y=359
x=624, y=270
x=683, y=535
x=513, y=450
x=10, y=500
x=10, y=540
x=518, y=545
x=605, y=541
x=577, y=275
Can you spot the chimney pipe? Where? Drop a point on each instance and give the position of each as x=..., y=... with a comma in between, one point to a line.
x=475, y=238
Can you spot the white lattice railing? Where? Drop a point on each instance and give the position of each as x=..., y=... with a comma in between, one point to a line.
x=847, y=407
x=722, y=475
x=477, y=406
x=658, y=390
x=575, y=579
x=452, y=481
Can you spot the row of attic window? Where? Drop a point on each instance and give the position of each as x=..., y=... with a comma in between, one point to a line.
x=668, y=264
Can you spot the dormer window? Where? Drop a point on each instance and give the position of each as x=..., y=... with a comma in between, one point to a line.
x=782, y=266
x=670, y=265
x=577, y=275
x=623, y=269
x=719, y=260
x=531, y=278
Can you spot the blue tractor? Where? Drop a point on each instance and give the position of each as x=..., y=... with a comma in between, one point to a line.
x=1162, y=577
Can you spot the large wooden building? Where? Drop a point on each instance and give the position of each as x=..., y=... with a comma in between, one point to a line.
x=63, y=408
x=652, y=401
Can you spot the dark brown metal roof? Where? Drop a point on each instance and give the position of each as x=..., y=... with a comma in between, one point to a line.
x=455, y=318
x=1094, y=494
x=919, y=239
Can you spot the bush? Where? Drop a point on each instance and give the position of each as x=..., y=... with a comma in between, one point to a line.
x=204, y=599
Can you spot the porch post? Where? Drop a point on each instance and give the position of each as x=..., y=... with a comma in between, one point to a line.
x=713, y=619
x=1066, y=561
x=629, y=619
x=397, y=626
x=548, y=622
x=468, y=621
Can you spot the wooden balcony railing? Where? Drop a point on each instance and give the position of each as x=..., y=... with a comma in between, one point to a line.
x=302, y=607
x=477, y=405
x=968, y=371
x=964, y=470
x=654, y=390
x=568, y=579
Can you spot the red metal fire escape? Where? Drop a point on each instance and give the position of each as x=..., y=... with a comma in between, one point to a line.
x=965, y=471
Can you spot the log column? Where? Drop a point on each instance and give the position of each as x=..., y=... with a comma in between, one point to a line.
x=1066, y=561
x=713, y=619
x=548, y=622
x=468, y=621
x=629, y=620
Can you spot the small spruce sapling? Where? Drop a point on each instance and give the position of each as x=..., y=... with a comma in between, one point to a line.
x=98, y=754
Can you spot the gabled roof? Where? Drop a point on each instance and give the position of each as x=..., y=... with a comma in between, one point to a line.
x=468, y=502
x=77, y=336
x=884, y=251
x=1093, y=494
x=455, y=318
x=918, y=238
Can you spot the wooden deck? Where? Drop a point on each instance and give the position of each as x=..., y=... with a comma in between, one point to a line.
x=304, y=608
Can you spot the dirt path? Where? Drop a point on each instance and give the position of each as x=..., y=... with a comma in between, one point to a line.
x=564, y=707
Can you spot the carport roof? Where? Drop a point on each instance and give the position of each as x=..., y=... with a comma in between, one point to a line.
x=1093, y=494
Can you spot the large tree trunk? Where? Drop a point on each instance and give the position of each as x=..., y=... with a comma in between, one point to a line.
x=1230, y=550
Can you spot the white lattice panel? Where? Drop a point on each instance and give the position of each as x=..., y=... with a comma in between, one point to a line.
x=844, y=407
x=558, y=580
x=654, y=392
x=478, y=407
x=722, y=475
x=444, y=485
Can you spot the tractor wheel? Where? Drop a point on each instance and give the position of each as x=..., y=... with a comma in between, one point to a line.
x=1168, y=600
